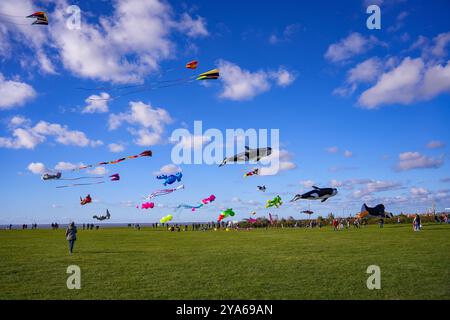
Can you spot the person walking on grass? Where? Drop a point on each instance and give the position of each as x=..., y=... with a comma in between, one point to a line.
x=71, y=235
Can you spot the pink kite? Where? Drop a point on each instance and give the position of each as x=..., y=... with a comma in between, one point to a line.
x=211, y=198
x=147, y=205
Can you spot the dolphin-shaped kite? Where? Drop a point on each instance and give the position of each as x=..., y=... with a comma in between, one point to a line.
x=317, y=194
x=377, y=211
x=248, y=155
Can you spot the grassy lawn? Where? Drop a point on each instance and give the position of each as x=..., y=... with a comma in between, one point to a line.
x=259, y=264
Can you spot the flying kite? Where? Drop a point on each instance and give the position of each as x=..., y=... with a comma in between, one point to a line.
x=192, y=65
x=317, y=194
x=209, y=75
x=115, y=177
x=377, y=211
x=170, y=179
x=146, y=153
x=187, y=206
x=51, y=176
x=158, y=193
x=225, y=214
x=275, y=202
x=254, y=172
x=262, y=188
x=248, y=155
x=147, y=205
x=101, y=218
x=210, y=199
x=308, y=212
x=86, y=200
x=166, y=219
x=41, y=18
x=253, y=213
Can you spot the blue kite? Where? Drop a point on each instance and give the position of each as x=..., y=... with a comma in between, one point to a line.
x=170, y=179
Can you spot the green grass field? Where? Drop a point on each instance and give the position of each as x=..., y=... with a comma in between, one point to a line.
x=259, y=264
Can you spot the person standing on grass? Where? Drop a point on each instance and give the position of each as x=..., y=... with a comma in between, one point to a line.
x=71, y=235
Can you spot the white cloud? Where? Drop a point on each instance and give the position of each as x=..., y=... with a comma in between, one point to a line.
x=307, y=183
x=18, y=121
x=241, y=84
x=415, y=160
x=28, y=137
x=194, y=28
x=168, y=169
x=409, y=82
x=14, y=93
x=287, y=34
x=435, y=144
x=150, y=121
x=37, y=167
x=67, y=166
x=100, y=171
x=419, y=191
x=97, y=103
x=354, y=44
x=284, y=160
x=116, y=147
x=375, y=186
x=143, y=115
x=283, y=77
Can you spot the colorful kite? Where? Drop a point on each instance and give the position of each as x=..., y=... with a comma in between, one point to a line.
x=275, y=202
x=192, y=65
x=86, y=200
x=146, y=153
x=41, y=18
x=225, y=214
x=101, y=218
x=158, y=193
x=170, y=179
x=209, y=75
x=251, y=220
x=317, y=194
x=166, y=219
x=252, y=173
x=210, y=199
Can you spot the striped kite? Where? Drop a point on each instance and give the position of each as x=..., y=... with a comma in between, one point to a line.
x=146, y=153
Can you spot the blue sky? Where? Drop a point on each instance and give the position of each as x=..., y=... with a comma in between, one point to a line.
x=362, y=110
